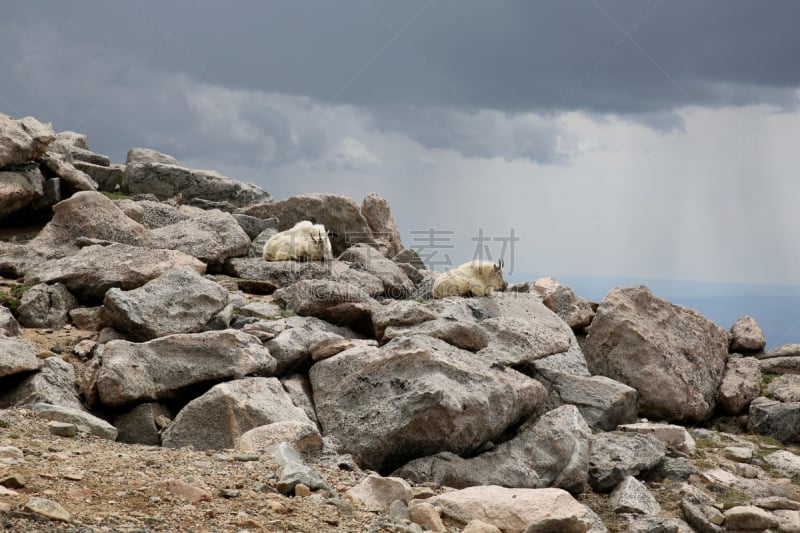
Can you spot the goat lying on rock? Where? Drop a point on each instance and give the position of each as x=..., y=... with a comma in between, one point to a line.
x=476, y=278
x=303, y=242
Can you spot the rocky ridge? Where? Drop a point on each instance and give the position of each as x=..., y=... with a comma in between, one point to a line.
x=157, y=374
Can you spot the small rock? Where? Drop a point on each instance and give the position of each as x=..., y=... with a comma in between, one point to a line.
x=13, y=453
x=632, y=496
x=774, y=503
x=229, y=493
x=749, y=517
x=747, y=336
x=184, y=490
x=785, y=462
x=476, y=526
x=376, y=492
x=302, y=491
x=46, y=509
x=73, y=476
x=425, y=514
x=12, y=481
x=739, y=454
x=398, y=511
x=422, y=493
x=62, y=429
x=84, y=348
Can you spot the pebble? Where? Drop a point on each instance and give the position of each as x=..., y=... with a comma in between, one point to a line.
x=302, y=491
x=12, y=481
x=46, y=509
x=229, y=493
x=62, y=429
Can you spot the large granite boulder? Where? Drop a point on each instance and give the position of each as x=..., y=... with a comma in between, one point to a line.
x=553, y=452
x=417, y=396
x=17, y=355
x=178, y=301
x=672, y=355
x=23, y=140
x=217, y=419
x=90, y=273
x=46, y=306
x=18, y=188
x=379, y=218
x=166, y=180
x=211, y=236
x=161, y=368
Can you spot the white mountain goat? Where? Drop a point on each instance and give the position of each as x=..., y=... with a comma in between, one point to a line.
x=303, y=242
x=476, y=278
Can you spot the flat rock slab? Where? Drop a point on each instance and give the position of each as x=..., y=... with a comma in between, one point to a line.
x=160, y=368
x=17, y=355
x=90, y=273
x=97, y=426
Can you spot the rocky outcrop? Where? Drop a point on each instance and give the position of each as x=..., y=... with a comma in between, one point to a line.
x=747, y=336
x=16, y=356
x=54, y=383
x=150, y=172
x=672, y=355
x=379, y=218
x=741, y=384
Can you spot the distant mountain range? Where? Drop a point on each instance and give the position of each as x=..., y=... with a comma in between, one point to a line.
x=775, y=307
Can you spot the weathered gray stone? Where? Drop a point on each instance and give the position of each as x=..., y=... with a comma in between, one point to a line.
x=478, y=526
x=781, y=365
x=417, y=396
x=147, y=155
x=302, y=436
x=673, y=436
x=785, y=388
x=54, y=383
x=379, y=218
x=178, y=301
x=46, y=306
x=217, y=418
x=409, y=257
x=699, y=512
x=632, y=496
x=553, y=452
x=785, y=350
x=395, y=282
x=570, y=362
x=51, y=195
x=211, y=236
x=375, y=492
x=46, y=509
x=575, y=311
x=84, y=155
x=328, y=300
x=427, y=516
x=653, y=524
x=285, y=273
x=299, y=389
x=94, y=270
x=749, y=518
x=519, y=510
x=340, y=215
x=140, y=425
x=785, y=462
x=89, y=318
x=72, y=139
x=778, y=420
x=741, y=384
x=747, y=336
x=168, y=180
x=160, y=368
x=107, y=177
x=399, y=314
x=9, y=326
x=291, y=347
x=295, y=471
x=254, y=226
x=464, y=335
x=17, y=355
x=23, y=140
x=616, y=455
x=671, y=354
x=97, y=426
x=603, y=402
x=60, y=164
x=18, y=189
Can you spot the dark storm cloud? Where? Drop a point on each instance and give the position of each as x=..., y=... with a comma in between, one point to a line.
x=511, y=55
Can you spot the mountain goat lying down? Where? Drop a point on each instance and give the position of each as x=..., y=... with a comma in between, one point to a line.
x=303, y=242
x=476, y=278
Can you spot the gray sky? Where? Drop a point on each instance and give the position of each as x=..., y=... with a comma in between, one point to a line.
x=637, y=138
